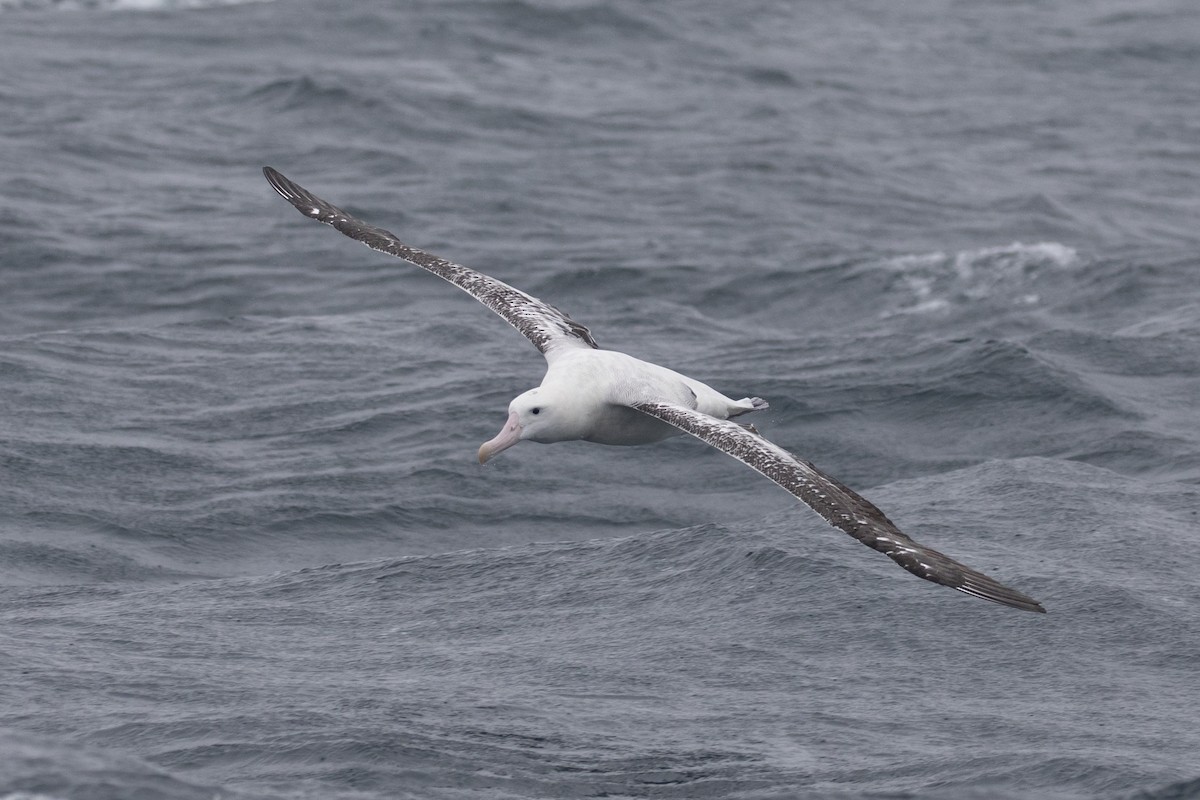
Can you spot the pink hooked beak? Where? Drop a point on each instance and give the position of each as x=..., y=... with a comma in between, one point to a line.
x=509, y=435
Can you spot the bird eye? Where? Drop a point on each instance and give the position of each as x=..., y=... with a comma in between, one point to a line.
x=535, y=410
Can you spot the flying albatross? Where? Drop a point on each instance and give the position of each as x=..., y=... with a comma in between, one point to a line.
x=608, y=397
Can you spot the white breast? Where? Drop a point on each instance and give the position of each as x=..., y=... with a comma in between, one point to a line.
x=599, y=386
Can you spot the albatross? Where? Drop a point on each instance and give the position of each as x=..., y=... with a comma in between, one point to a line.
x=608, y=397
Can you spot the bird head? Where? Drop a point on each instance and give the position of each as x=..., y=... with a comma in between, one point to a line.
x=531, y=416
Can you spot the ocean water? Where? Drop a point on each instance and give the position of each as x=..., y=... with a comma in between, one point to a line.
x=245, y=547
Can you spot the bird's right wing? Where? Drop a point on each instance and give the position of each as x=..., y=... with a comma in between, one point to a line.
x=548, y=328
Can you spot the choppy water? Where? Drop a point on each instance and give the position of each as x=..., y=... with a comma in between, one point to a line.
x=245, y=550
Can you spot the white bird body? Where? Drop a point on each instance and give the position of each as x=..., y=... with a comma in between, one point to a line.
x=608, y=397
x=586, y=394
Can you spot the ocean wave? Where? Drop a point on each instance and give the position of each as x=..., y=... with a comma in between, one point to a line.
x=245, y=541
x=34, y=767
x=737, y=659
x=574, y=21
x=120, y=5
x=938, y=282
x=305, y=90
x=1183, y=790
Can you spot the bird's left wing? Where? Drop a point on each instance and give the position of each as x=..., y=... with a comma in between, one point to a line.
x=548, y=328
x=839, y=505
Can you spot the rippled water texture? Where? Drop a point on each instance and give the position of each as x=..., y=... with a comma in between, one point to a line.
x=245, y=547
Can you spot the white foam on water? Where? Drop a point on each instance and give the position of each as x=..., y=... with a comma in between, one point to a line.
x=938, y=281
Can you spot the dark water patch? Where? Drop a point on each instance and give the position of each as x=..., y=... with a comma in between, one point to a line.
x=45, y=767
x=578, y=23
x=291, y=93
x=1183, y=790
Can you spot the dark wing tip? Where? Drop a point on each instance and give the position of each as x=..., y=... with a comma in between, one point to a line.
x=937, y=567
x=997, y=593
x=314, y=207
x=295, y=194
x=278, y=182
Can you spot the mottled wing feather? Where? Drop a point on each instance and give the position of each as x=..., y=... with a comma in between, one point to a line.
x=541, y=323
x=840, y=506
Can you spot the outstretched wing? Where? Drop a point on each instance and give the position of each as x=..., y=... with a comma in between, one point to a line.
x=840, y=506
x=548, y=328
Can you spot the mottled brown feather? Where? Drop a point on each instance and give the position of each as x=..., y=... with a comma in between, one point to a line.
x=840, y=506
x=541, y=323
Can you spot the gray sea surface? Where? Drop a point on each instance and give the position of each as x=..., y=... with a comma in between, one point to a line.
x=246, y=550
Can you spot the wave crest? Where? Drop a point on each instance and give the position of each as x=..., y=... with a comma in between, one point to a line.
x=935, y=282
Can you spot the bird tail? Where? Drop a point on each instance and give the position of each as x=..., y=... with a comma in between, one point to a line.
x=748, y=404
